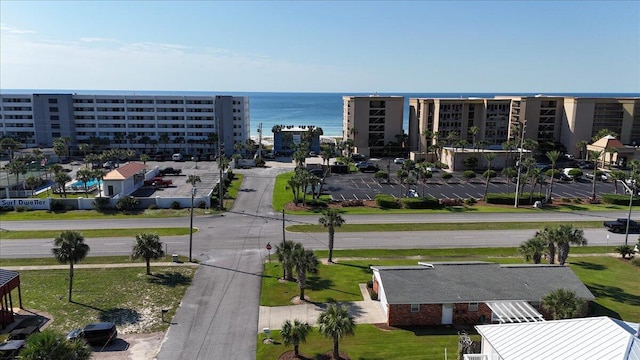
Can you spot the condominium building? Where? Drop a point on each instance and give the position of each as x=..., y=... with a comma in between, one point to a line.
x=550, y=119
x=372, y=122
x=186, y=124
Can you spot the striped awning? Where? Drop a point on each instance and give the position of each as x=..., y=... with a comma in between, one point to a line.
x=514, y=312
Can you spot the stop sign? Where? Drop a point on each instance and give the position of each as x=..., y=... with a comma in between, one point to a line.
x=268, y=246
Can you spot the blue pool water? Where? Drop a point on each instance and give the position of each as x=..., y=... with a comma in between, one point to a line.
x=80, y=184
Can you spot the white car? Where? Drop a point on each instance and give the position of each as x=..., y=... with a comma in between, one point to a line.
x=432, y=169
x=398, y=160
x=413, y=194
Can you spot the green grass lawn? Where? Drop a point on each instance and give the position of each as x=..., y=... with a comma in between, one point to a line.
x=372, y=343
x=439, y=226
x=612, y=280
x=93, y=214
x=126, y=296
x=93, y=233
x=88, y=260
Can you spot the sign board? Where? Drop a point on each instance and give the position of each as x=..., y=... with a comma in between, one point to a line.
x=33, y=204
x=268, y=246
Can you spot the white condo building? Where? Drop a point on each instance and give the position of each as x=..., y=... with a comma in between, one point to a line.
x=138, y=122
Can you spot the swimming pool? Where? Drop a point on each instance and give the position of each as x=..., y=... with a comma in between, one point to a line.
x=80, y=184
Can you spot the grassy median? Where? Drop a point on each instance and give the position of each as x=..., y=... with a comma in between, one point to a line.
x=93, y=233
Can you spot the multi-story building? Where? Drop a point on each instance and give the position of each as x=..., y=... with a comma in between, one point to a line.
x=550, y=119
x=287, y=137
x=185, y=124
x=372, y=122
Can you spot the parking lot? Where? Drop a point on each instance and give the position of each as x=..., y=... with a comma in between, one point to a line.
x=206, y=170
x=363, y=186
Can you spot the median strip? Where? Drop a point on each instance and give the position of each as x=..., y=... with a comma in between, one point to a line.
x=94, y=233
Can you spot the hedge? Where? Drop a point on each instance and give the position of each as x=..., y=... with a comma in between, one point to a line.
x=619, y=199
x=387, y=201
x=421, y=203
x=509, y=199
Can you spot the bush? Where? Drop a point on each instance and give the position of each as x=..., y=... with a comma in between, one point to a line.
x=101, y=203
x=421, y=203
x=370, y=284
x=22, y=208
x=446, y=175
x=509, y=199
x=127, y=204
x=201, y=204
x=260, y=162
x=352, y=203
x=57, y=205
x=489, y=174
x=468, y=174
x=575, y=173
x=381, y=175
x=555, y=172
x=451, y=202
x=577, y=201
x=175, y=205
x=318, y=203
x=387, y=202
x=470, y=201
x=624, y=250
x=153, y=207
x=617, y=199
x=635, y=261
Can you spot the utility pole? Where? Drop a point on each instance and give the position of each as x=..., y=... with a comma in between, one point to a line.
x=517, y=199
x=260, y=140
x=283, y=238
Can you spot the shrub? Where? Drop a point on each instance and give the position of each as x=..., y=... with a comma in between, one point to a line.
x=370, y=284
x=451, y=202
x=201, y=204
x=470, y=201
x=555, y=172
x=381, y=175
x=318, y=203
x=618, y=199
x=468, y=174
x=446, y=175
x=624, y=250
x=577, y=201
x=153, y=207
x=509, y=199
x=489, y=174
x=352, y=203
x=175, y=205
x=101, y=203
x=260, y=162
x=127, y=204
x=57, y=205
x=575, y=173
x=387, y=202
x=565, y=199
x=22, y=208
x=421, y=203
x=635, y=261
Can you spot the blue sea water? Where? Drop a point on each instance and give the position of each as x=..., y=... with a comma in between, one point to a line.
x=319, y=109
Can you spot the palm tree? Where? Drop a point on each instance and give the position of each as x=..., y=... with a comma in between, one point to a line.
x=98, y=174
x=509, y=173
x=565, y=236
x=331, y=219
x=70, y=249
x=32, y=182
x=582, y=146
x=335, y=322
x=304, y=261
x=489, y=156
x=144, y=158
x=17, y=167
x=595, y=156
x=9, y=144
x=83, y=148
x=84, y=175
x=148, y=246
x=533, y=249
x=562, y=304
x=617, y=175
x=294, y=334
x=285, y=252
x=62, y=179
x=474, y=133
x=193, y=180
x=402, y=174
x=553, y=157
x=51, y=345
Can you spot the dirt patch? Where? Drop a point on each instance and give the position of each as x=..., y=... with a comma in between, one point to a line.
x=131, y=347
x=297, y=301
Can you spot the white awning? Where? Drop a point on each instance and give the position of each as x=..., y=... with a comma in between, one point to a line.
x=514, y=312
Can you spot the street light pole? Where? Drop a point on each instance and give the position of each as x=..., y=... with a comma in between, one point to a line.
x=626, y=232
x=193, y=193
x=517, y=199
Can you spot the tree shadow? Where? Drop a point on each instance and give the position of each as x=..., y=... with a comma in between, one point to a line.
x=615, y=293
x=115, y=345
x=589, y=265
x=364, y=268
x=87, y=306
x=234, y=270
x=171, y=279
x=119, y=316
x=599, y=310
x=317, y=283
x=430, y=330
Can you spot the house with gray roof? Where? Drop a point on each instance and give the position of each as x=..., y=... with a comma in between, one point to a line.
x=469, y=292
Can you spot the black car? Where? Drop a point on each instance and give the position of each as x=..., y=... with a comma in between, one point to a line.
x=365, y=166
x=96, y=333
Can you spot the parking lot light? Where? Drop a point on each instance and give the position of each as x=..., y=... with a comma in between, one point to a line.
x=626, y=233
x=193, y=193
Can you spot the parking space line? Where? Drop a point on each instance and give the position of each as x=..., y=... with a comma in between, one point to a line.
x=343, y=198
x=369, y=197
x=471, y=196
x=459, y=197
x=355, y=196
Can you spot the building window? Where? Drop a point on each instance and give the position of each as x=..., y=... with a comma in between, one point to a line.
x=55, y=117
x=415, y=308
x=53, y=101
x=473, y=306
x=53, y=108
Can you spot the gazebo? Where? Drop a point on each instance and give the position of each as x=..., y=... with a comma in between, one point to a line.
x=613, y=151
x=9, y=280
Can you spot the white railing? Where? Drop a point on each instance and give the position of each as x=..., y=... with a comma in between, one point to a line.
x=475, y=357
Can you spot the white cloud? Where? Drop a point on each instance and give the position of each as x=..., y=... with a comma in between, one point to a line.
x=14, y=30
x=97, y=39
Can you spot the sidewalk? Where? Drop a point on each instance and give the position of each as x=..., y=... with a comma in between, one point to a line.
x=365, y=312
x=94, y=266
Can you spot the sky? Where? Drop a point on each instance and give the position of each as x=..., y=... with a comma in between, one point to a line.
x=322, y=46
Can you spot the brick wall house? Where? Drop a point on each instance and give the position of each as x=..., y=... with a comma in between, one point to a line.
x=465, y=293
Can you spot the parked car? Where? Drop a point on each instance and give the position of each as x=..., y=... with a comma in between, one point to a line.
x=432, y=169
x=365, y=166
x=158, y=182
x=357, y=157
x=412, y=194
x=177, y=157
x=95, y=334
x=170, y=171
x=620, y=226
x=317, y=172
x=110, y=165
x=398, y=161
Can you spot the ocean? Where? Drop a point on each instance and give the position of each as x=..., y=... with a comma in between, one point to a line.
x=319, y=109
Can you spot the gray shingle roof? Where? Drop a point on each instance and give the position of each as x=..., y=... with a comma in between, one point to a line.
x=476, y=282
